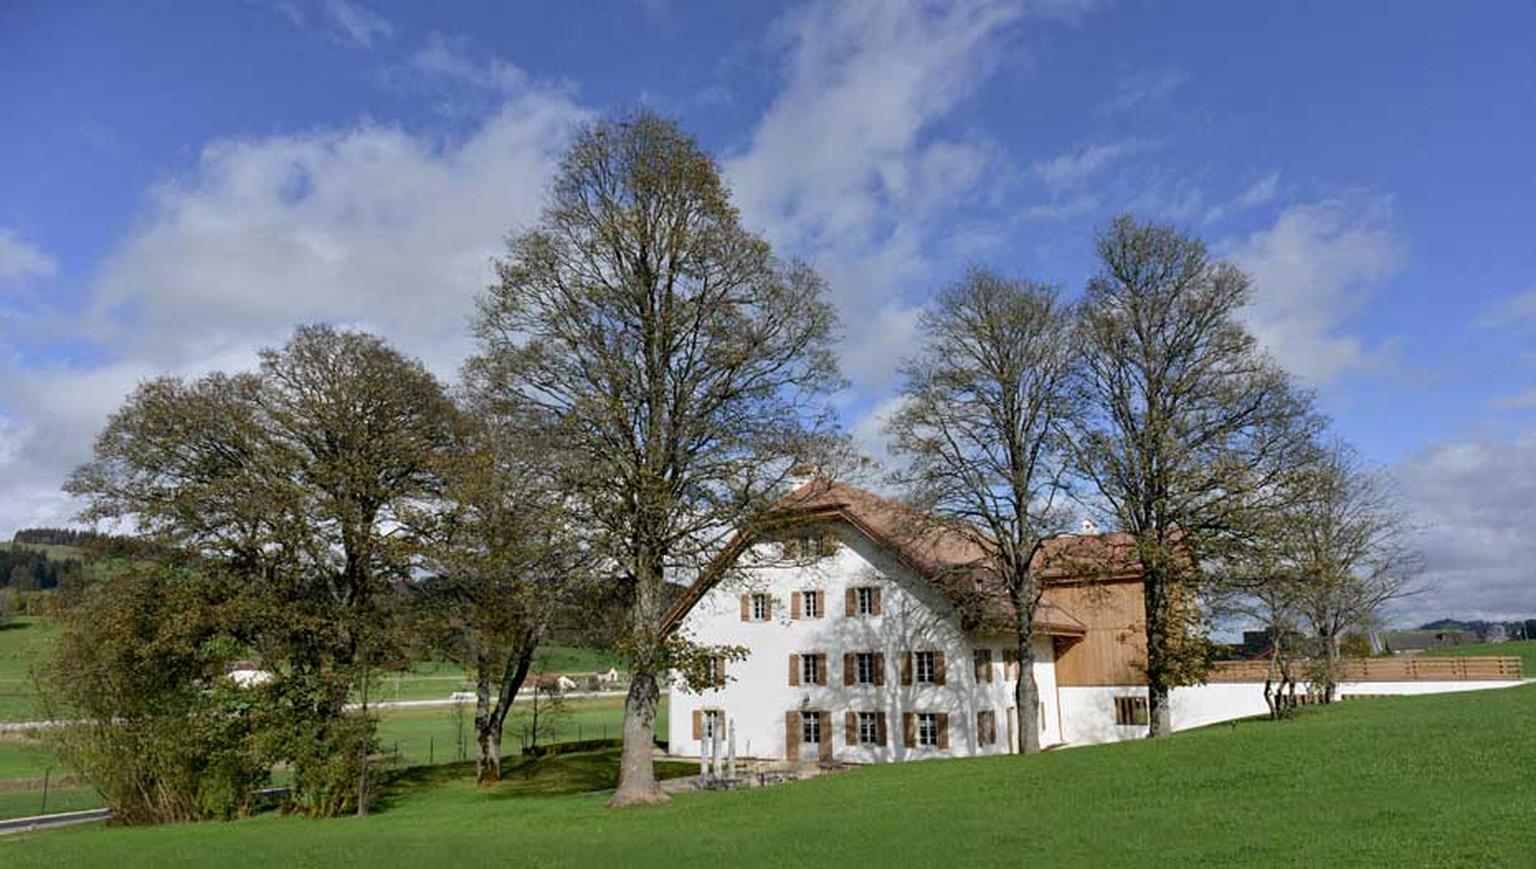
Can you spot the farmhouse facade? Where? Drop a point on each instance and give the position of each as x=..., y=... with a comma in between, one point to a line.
x=873, y=633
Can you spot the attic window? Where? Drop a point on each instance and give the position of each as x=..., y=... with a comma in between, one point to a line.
x=809, y=544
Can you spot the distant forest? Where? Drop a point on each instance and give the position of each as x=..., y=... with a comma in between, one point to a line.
x=32, y=569
x=1519, y=629
x=96, y=543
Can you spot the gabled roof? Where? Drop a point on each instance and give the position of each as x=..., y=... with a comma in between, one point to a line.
x=941, y=551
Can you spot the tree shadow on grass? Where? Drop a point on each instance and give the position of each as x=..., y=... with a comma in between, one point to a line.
x=554, y=775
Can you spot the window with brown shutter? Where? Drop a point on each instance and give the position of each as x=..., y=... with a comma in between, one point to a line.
x=746, y=607
x=943, y=722
x=983, y=665
x=1011, y=664
x=909, y=729
x=848, y=668
x=698, y=724
x=880, y=736
x=813, y=605
x=865, y=671
x=928, y=729
x=794, y=605
x=794, y=670
x=906, y=668
x=938, y=667
x=851, y=728
x=875, y=608
x=879, y=669
x=850, y=603
x=821, y=669
x=924, y=668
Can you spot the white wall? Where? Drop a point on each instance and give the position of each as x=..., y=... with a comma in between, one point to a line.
x=1089, y=713
x=914, y=616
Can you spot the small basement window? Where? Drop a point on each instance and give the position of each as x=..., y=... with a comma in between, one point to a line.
x=1131, y=712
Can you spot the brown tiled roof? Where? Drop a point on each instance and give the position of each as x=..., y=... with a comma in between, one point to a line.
x=943, y=552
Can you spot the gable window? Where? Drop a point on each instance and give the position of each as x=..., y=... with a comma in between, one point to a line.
x=1130, y=711
x=809, y=544
x=869, y=729
x=927, y=728
x=810, y=604
x=923, y=664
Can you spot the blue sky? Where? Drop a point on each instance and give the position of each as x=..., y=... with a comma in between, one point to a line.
x=181, y=183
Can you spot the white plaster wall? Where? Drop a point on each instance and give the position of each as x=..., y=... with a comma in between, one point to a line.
x=915, y=616
x=1089, y=713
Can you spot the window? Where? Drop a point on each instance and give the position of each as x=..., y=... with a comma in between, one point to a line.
x=869, y=728
x=864, y=598
x=986, y=727
x=760, y=607
x=810, y=727
x=927, y=728
x=809, y=544
x=810, y=604
x=1130, y=711
x=813, y=670
x=714, y=669
x=1011, y=664
x=864, y=663
x=983, y=665
x=923, y=666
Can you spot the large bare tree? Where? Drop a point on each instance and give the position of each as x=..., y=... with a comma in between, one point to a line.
x=1192, y=428
x=681, y=365
x=981, y=432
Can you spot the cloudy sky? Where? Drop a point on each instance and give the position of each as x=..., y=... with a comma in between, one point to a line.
x=182, y=183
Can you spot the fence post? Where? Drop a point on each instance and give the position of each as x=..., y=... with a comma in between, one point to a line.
x=430, y=747
x=47, y=773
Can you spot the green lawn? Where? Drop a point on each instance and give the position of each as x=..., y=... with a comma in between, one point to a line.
x=1422, y=781
x=24, y=641
x=1525, y=650
x=433, y=732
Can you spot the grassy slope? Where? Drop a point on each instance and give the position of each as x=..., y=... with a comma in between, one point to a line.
x=23, y=642
x=1523, y=649
x=1435, y=780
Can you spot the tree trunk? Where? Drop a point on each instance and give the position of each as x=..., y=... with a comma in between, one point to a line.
x=637, y=777
x=490, y=720
x=1159, y=717
x=1331, y=683
x=1026, y=697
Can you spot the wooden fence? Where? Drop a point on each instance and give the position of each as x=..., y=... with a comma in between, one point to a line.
x=1406, y=668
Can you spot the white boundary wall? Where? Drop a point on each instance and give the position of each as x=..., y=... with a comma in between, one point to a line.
x=1089, y=713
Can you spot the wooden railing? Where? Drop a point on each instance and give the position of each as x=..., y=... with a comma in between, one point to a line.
x=1406, y=668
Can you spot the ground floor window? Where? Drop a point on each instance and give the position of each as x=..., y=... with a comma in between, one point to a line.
x=810, y=727
x=927, y=728
x=1131, y=711
x=869, y=728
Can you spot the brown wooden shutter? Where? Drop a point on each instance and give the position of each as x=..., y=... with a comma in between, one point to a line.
x=826, y=736
x=906, y=668
x=851, y=728
x=746, y=607
x=821, y=669
x=794, y=604
x=983, y=665
x=909, y=729
x=943, y=722
x=992, y=728
x=981, y=728
x=794, y=669
x=848, y=668
x=938, y=666
x=880, y=728
x=851, y=602
x=698, y=724
x=767, y=607
x=821, y=604
x=874, y=603
x=879, y=668
x=791, y=735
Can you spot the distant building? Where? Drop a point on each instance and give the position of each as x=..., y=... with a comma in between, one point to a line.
x=1411, y=642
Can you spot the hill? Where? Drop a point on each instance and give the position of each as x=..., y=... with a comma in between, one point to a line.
x=1525, y=650
x=1425, y=781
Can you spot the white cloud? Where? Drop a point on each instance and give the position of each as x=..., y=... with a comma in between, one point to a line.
x=1525, y=400
x=366, y=225
x=1145, y=86
x=1312, y=271
x=1517, y=308
x=1472, y=502
x=845, y=168
x=19, y=259
x=446, y=57
x=1260, y=191
x=1074, y=168
x=356, y=23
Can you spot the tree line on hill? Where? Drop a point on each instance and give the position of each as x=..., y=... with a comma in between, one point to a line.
x=648, y=375
x=24, y=569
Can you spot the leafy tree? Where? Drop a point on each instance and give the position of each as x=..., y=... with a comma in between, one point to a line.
x=981, y=427
x=1192, y=428
x=293, y=482
x=680, y=365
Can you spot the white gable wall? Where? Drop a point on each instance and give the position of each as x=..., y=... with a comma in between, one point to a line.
x=915, y=616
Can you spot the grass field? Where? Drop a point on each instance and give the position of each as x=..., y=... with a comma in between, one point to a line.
x=433, y=732
x=1424, y=781
x=1525, y=650
x=24, y=641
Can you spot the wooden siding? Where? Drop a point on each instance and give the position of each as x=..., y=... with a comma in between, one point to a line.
x=1399, y=669
x=1114, y=647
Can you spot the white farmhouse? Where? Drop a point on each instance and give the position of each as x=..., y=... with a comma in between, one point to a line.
x=874, y=635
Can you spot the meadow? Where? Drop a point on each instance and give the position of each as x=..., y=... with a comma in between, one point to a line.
x=1439, y=780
